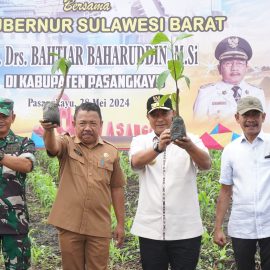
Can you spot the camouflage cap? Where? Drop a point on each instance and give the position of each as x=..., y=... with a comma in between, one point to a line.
x=249, y=103
x=233, y=47
x=6, y=106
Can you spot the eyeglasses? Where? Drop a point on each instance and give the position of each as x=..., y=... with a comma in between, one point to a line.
x=236, y=63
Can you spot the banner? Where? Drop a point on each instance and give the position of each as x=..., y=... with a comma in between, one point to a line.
x=104, y=41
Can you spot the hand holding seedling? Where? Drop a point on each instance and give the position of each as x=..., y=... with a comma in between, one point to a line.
x=50, y=109
x=176, y=70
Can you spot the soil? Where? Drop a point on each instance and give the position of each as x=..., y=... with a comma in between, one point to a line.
x=46, y=235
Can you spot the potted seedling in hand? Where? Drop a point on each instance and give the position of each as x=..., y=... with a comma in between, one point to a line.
x=175, y=69
x=50, y=108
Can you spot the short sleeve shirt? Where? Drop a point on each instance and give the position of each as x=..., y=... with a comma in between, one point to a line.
x=87, y=175
x=246, y=167
x=13, y=209
x=168, y=206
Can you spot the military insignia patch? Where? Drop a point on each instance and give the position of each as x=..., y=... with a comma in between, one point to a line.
x=12, y=148
x=233, y=42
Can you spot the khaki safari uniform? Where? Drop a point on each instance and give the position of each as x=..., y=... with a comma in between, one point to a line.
x=83, y=200
x=215, y=101
x=81, y=211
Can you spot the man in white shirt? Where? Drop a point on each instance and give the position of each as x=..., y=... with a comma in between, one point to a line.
x=217, y=101
x=168, y=220
x=245, y=175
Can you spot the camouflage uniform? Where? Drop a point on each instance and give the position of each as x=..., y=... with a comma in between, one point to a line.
x=14, y=216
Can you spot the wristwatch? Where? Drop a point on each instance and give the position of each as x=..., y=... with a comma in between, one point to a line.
x=2, y=154
x=155, y=147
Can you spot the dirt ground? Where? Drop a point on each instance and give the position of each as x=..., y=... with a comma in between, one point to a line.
x=46, y=235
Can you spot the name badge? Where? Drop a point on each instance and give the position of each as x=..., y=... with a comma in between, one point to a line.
x=219, y=103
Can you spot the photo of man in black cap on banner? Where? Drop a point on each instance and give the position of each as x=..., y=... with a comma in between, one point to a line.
x=217, y=101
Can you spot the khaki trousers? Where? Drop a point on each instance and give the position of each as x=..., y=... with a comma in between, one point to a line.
x=83, y=252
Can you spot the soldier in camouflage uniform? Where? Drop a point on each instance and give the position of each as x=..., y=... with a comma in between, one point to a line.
x=16, y=159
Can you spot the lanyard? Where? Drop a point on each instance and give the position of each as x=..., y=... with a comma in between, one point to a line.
x=164, y=195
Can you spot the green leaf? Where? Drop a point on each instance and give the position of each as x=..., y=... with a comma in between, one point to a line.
x=68, y=63
x=62, y=66
x=173, y=97
x=55, y=66
x=145, y=55
x=54, y=54
x=176, y=68
x=180, y=56
x=159, y=38
x=163, y=99
x=183, y=36
x=187, y=81
x=162, y=77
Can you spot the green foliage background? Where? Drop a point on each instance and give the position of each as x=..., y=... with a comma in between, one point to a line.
x=43, y=180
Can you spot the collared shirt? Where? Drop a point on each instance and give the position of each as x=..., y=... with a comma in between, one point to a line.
x=14, y=215
x=246, y=166
x=215, y=101
x=87, y=175
x=168, y=207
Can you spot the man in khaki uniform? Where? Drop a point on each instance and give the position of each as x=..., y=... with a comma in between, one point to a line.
x=90, y=180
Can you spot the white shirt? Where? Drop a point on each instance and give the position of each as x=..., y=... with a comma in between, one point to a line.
x=216, y=101
x=180, y=216
x=244, y=166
